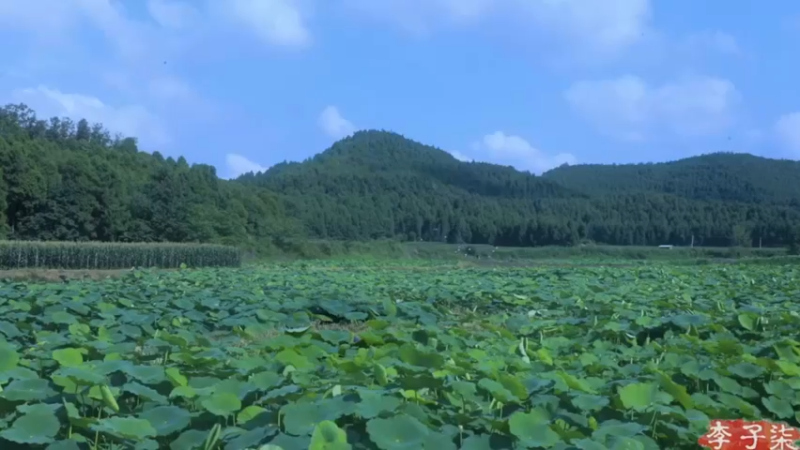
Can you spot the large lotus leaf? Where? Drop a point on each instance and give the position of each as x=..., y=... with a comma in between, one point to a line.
x=676, y=390
x=486, y=442
x=373, y=404
x=147, y=374
x=638, y=396
x=125, y=427
x=266, y=380
x=328, y=436
x=778, y=406
x=290, y=357
x=10, y=330
x=67, y=444
x=167, y=419
x=288, y=442
x=68, y=357
x=414, y=356
x=497, y=390
x=300, y=419
x=83, y=376
x=144, y=392
x=532, y=428
x=616, y=428
x=746, y=370
x=147, y=444
x=251, y=438
x=222, y=403
x=189, y=440
x=586, y=402
x=36, y=428
x=401, y=432
x=9, y=358
x=28, y=390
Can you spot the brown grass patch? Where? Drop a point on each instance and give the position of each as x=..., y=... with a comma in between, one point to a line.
x=59, y=276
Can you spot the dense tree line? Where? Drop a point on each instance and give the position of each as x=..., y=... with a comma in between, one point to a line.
x=73, y=181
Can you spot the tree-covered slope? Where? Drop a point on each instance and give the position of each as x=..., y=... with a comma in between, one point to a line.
x=72, y=181
x=733, y=177
x=380, y=184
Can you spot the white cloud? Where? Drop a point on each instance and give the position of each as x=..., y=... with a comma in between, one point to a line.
x=787, y=130
x=460, y=156
x=172, y=14
x=333, y=124
x=419, y=17
x=276, y=22
x=596, y=28
x=717, y=41
x=593, y=27
x=239, y=165
x=130, y=120
x=502, y=148
x=630, y=109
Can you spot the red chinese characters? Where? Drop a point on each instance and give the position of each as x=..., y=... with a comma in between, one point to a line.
x=742, y=435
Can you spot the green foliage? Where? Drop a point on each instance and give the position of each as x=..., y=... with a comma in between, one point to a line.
x=67, y=181
x=310, y=356
x=107, y=255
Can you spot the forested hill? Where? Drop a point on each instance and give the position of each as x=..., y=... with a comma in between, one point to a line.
x=73, y=181
x=733, y=177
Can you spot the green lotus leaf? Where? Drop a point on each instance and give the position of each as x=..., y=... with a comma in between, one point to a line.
x=28, y=390
x=373, y=404
x=328, y=436
x=401, y=432
x=9, y=358
x=68, y=357
x=589, y=444
x=125, y=427
x=266, y=380
x=67, y=444
x=145, y=392
x=674, y=389
x=778, y=406
x=250, y=438
x=438, y=441
x=587, y=402
x=300, y=419
x=35, y=428
x=288, y=442
x=183, y=391
x=534, y=435
x=147, y=444
x=221, y=403
x=409, y=354
x=9, y=330
x=82, y=376
x=617, y=428
x=147, y=374
x=747, y=321
x=167, y=419
x=497, y=390
x=189, y=440
x=638, y=396
x=746, y=370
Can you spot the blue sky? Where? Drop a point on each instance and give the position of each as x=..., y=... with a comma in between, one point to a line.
x=244, y=84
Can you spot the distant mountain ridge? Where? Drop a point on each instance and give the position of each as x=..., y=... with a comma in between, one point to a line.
x=738, y=177
x=65, y=180
x=379, y=183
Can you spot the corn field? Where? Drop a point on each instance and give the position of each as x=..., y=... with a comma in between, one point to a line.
x=111, y=255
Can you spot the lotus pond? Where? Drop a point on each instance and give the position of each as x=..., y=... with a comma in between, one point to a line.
x=305, y=357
